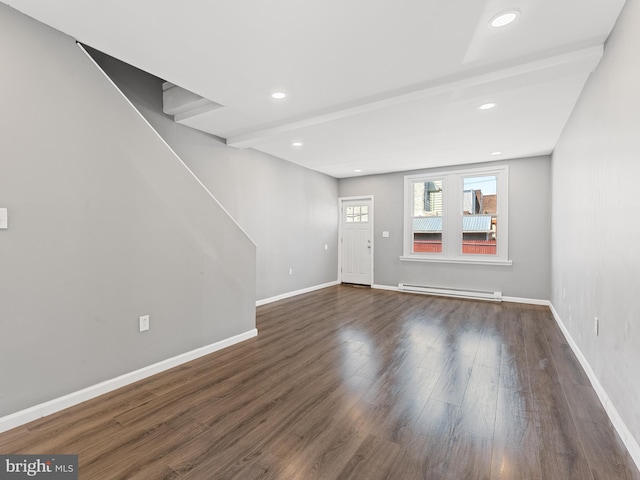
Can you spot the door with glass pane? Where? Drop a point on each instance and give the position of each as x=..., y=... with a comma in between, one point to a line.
x=357, y=241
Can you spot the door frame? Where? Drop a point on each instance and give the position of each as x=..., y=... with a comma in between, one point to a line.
x=341, y=201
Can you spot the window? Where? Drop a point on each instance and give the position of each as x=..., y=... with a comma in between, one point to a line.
x=357, y=214
x=458, y=217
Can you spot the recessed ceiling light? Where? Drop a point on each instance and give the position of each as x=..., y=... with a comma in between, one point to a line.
x=504, y=18
x=278, y=95
x=487, y=106
x=496, y=153
x=296, y=144
x=358, y=170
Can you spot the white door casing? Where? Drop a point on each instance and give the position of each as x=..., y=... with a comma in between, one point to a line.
x=356, y=240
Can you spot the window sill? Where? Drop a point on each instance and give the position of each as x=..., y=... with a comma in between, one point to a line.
x=471, y=261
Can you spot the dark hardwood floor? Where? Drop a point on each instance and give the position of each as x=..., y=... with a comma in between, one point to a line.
x=352, y=383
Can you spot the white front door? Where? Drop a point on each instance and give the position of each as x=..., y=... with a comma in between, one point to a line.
x=356, y=241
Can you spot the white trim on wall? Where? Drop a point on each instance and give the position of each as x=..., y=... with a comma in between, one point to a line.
x=386, y=287
x=528, y=301
x=618, y=423
x=52, y=406
x=265, y=301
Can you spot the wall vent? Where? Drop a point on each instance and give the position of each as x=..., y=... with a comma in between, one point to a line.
x=451, y=292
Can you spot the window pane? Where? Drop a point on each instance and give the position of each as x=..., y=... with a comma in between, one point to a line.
x=427, y=216
x=364, y=209
x=479, y=220
x=364, y=217
x=356, y=210
x=427, y=198
x=349, y=210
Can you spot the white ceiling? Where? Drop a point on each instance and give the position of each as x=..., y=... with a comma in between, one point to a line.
x=376, y=85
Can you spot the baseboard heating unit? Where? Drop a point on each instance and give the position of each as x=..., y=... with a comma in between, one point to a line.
x=451, y=292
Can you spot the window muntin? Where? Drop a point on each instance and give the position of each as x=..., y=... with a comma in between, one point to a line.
x=357, y=214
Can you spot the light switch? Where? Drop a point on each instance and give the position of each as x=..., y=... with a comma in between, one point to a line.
x=3, y=219
x=385, y=234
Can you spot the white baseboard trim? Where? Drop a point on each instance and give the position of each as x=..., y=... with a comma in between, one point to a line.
x=265, y=301
x=528, y=301
x=386, y=287
x=52, y=406
x=618, y=423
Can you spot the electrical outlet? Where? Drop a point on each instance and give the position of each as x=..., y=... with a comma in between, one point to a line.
x=144, y=323
x=291, y=271
x=596, y=326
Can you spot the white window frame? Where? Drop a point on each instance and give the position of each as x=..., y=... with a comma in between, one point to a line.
x=452, y=205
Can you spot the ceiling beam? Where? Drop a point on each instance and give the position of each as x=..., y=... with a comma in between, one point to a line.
x=579, y=61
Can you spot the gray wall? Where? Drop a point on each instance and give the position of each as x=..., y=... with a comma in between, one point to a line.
x=289, y=211
x=529, y=237
x=105, y=225
x=596, y=182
